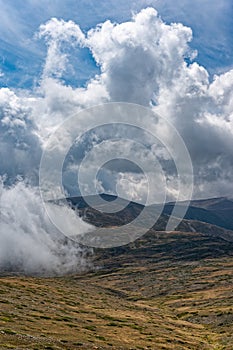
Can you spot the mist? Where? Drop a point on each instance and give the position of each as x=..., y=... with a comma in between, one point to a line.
x=30, y=243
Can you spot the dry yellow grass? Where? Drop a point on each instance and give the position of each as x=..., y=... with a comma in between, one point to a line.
x=142, y=297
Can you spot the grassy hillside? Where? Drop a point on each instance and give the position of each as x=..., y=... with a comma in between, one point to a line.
x=164, y=291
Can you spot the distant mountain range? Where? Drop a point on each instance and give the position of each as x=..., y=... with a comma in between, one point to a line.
x=200, y=216
x=216, y=211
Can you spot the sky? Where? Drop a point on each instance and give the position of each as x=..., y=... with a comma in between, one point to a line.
x=58, y=58
x=174, y=60
x=22, y=53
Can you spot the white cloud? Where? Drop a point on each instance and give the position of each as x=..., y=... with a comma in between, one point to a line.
x=138, y=57
x=57, y=34
x=20, y=148
x=29, y=242
x=211, y=22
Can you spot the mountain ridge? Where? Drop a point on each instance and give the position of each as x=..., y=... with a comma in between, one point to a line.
x=214, y=211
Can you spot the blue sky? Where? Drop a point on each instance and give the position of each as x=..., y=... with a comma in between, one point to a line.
x=22, y=54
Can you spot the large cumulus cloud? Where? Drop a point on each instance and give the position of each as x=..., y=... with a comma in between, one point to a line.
x=144, y=61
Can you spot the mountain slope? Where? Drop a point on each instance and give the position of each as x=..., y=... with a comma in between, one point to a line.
x=217, y=211
x=164, y=291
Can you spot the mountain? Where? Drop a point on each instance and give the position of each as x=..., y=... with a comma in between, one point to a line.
x=216, y=211
x=165, y=290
